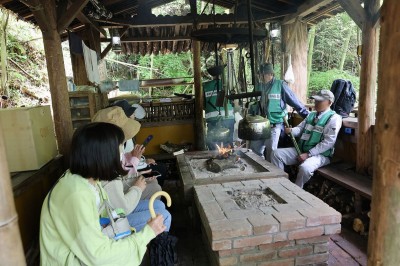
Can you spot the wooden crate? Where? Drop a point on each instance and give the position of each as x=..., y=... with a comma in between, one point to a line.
x=29, y=137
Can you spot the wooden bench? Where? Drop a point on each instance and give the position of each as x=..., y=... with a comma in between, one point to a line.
x=344, y=175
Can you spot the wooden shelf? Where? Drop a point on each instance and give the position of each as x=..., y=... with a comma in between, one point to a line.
x=81, y=119
x=84, y=105
x=80, y=107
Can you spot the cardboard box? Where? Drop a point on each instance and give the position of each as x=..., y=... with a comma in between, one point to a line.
x=29, y=137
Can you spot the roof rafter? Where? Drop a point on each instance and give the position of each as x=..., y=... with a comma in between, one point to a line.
x=305, y=9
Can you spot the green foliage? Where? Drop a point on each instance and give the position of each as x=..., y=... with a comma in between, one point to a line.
x=323, y=80
x=328, y=45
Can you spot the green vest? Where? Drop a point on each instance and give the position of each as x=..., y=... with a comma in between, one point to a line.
x=210, y=99
x=275, y=113
x=313, y=132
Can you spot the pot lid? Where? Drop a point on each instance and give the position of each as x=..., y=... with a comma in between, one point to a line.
x=256, y=119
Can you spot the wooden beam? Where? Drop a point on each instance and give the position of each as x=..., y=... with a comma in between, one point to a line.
x=124, y=31
x=322, y=12
x=37, y=10
x=149, y=39
x=106, y=50
x=2, y=2
x=355, y=11
x=85, y=20
x=305, y=9
x=71, y=13
x=384, y=231
x=287, y=2
x=199, y=98
x=154, y=21
x=62, y=7
x=47, y=21
x=376, y=19
x=12, y=252
x=368, y=78
x=93, y=37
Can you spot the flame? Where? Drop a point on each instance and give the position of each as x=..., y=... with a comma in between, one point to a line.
x=224, y=150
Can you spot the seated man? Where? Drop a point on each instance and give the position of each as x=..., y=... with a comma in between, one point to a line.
x=318, y=136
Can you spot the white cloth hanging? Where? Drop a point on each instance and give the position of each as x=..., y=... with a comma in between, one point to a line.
x=92, y=68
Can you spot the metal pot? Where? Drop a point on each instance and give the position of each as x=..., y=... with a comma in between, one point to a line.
x=254, y=127
x=218, y=133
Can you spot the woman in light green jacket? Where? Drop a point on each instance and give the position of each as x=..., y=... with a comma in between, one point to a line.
x=70, y=232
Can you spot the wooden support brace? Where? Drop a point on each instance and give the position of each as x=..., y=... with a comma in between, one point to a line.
x=355, y=11
x=305, y=9
x=106, y=50
x=71, y=13
x=85, y=20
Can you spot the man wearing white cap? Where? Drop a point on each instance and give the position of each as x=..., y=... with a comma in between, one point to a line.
x=318, y=133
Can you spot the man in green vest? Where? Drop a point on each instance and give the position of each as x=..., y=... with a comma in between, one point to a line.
x=318, y=133
x=276, y=94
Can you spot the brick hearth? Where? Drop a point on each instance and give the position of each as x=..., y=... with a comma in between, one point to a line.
x=189, y=177
x=292, y=232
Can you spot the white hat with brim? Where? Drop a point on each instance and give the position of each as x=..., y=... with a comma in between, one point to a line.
x=115, y=115
x=324, y=95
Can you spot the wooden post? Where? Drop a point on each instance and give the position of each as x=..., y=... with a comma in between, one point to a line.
x=384, y=232
x=11, y=250
x=47, y=21
x=368, y=78
x=296, y=37
x=199, y=98
x=79, y=69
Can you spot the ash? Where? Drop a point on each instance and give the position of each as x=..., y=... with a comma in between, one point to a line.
x=241, y=167
x=254, y=199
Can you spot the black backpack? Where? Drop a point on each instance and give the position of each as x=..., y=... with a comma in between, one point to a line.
x=345, y=97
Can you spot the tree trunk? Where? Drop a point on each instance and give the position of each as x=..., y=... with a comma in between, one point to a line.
x=294, y=43
x=4, y=23
x=368, y=78
x=384, y=233
x=345, y=47
x=11, y=250
x=199, y=98
x=311, y=39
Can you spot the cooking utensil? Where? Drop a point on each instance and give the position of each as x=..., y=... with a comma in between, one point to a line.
x=296, y=146
x=254, y=127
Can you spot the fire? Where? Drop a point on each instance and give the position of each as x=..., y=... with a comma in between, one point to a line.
x=224, y=152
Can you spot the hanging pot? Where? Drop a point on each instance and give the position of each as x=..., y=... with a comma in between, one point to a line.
x=218, y=133
x=254, y=127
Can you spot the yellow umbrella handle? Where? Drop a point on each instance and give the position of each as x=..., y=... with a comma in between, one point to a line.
x=153, y=198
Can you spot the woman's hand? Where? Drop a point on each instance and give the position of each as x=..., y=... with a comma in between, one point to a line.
x=144, y=172
x=157, y=224
x=141, y=183
x=151, y=161
x=138, y=151
x=150, y=179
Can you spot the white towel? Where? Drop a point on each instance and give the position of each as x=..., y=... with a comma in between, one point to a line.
x=91, y=66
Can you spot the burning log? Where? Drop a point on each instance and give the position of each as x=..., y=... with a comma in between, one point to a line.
x=217, y=166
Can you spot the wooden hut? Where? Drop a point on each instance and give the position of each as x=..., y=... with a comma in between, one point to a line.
x=375, y=141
